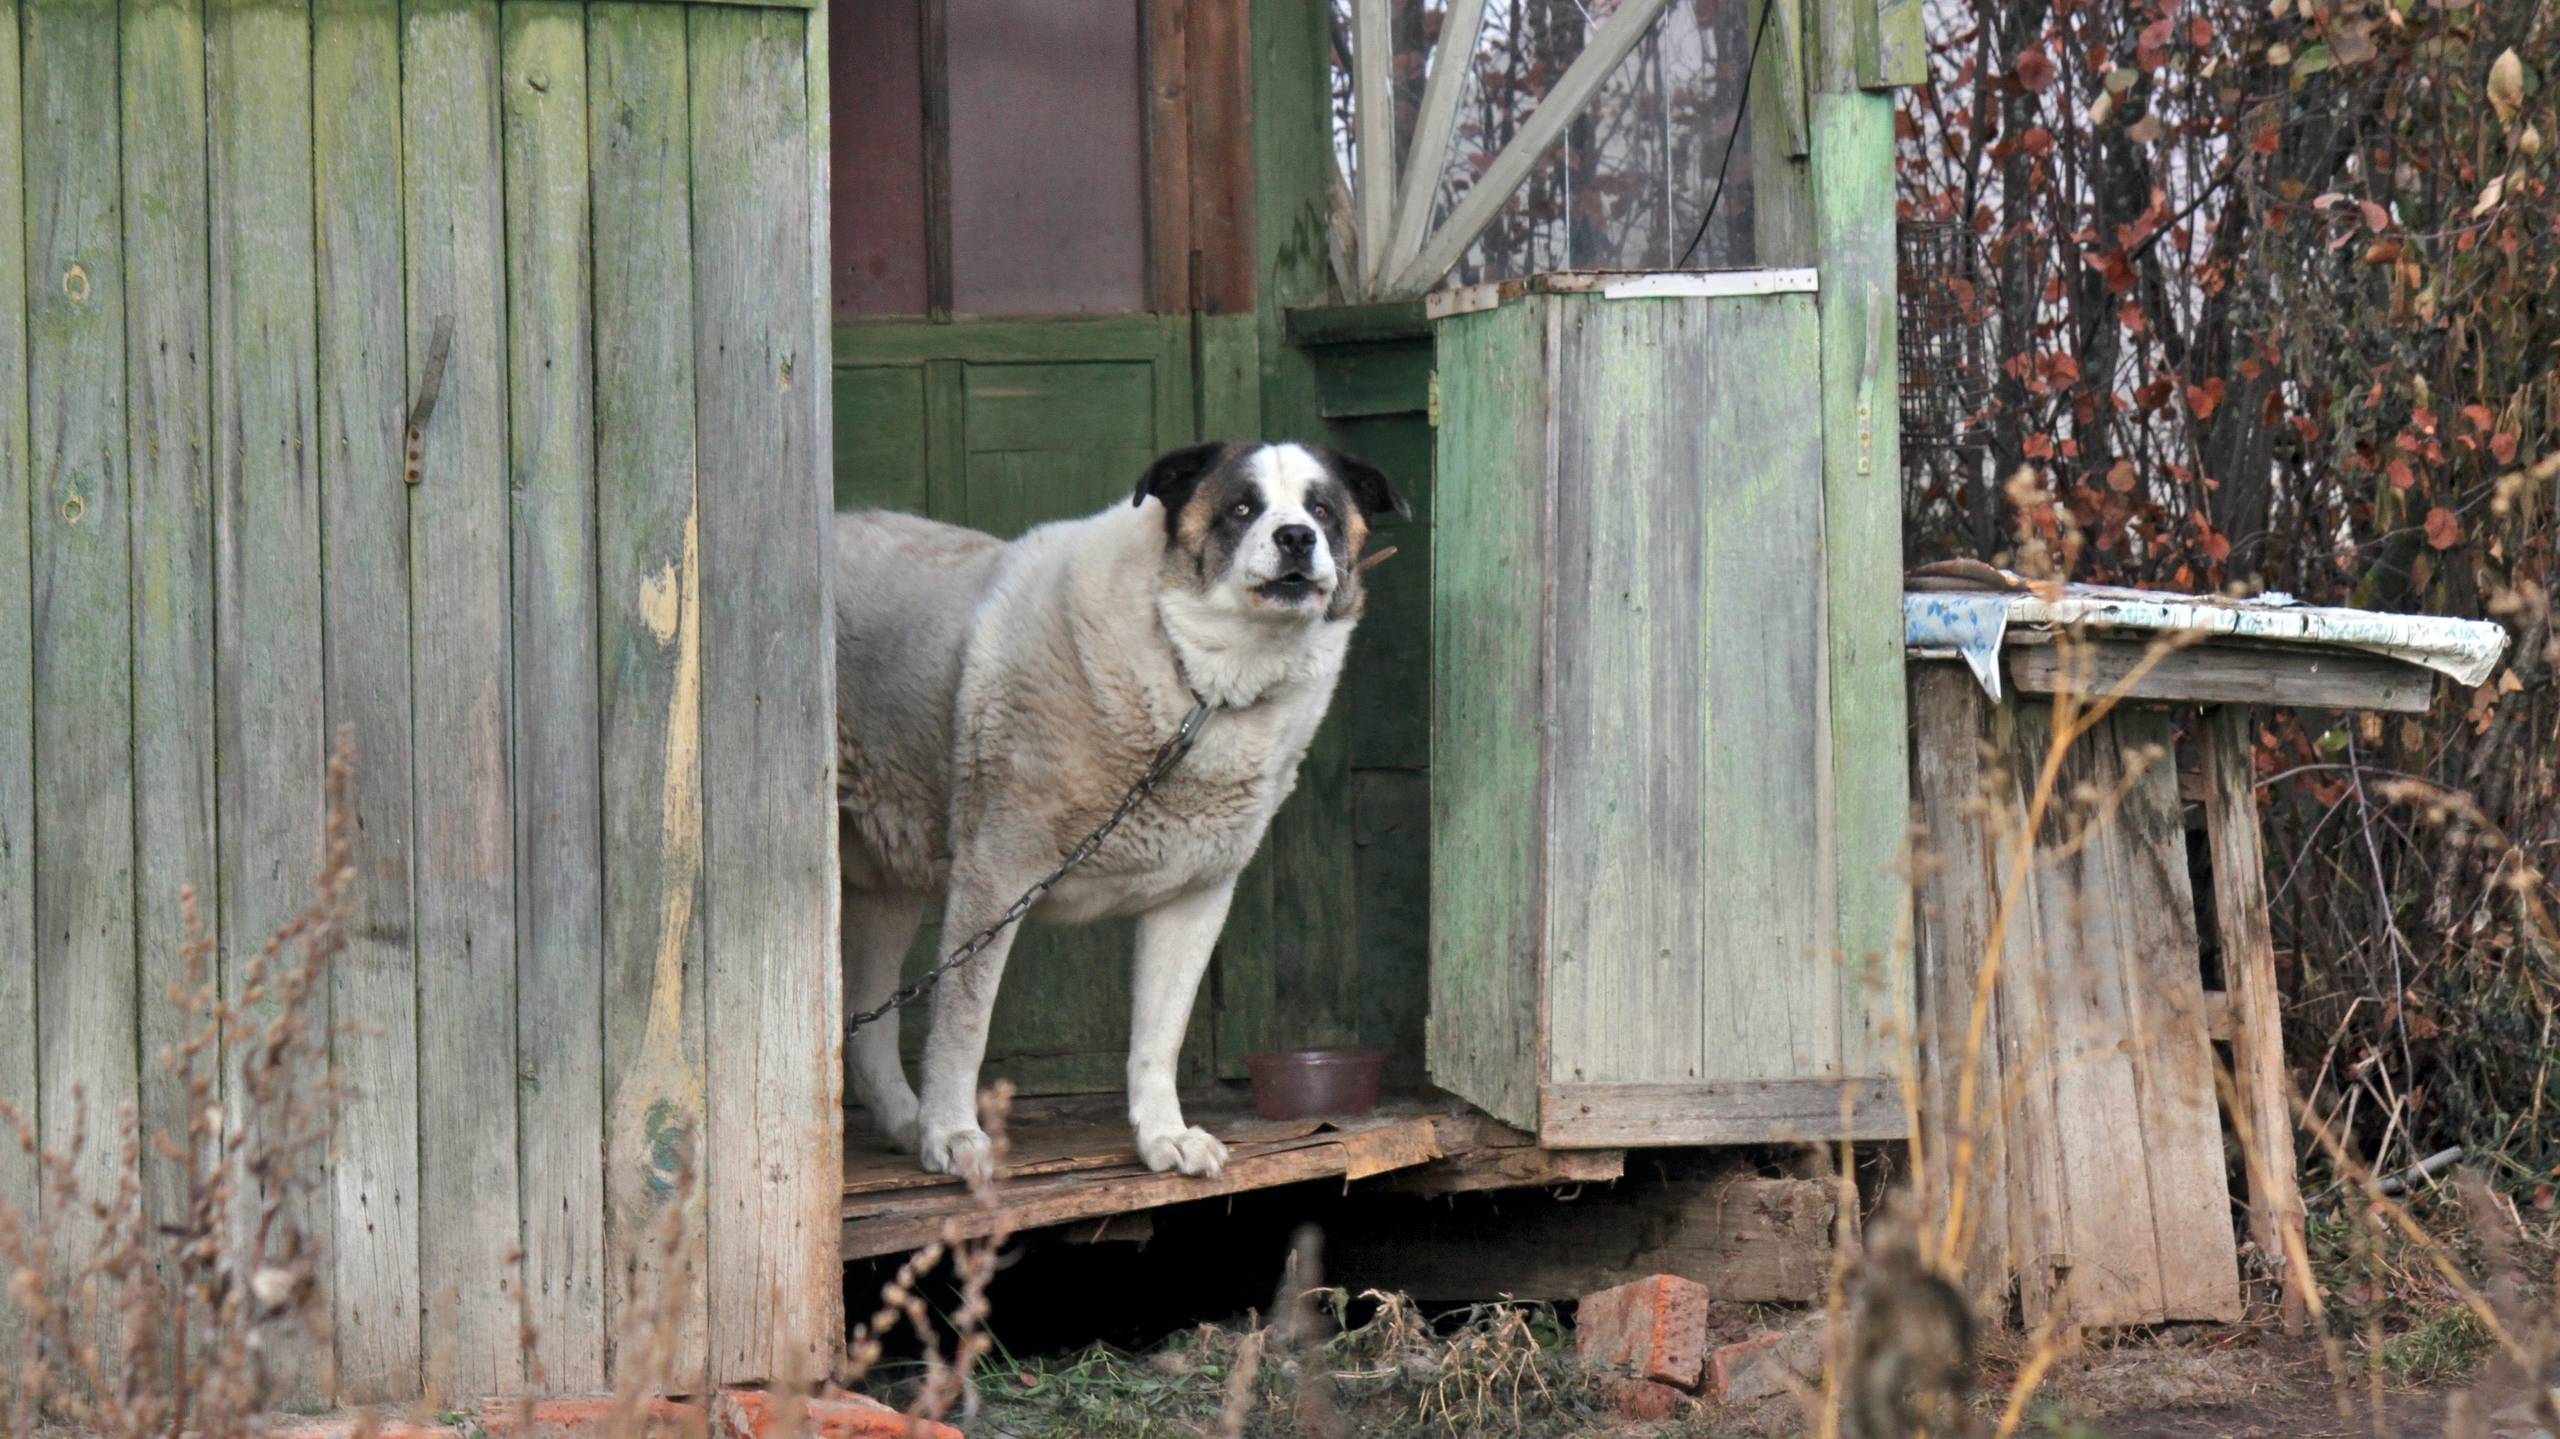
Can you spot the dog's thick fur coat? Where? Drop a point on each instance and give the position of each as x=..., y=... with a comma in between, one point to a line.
x=994, y=702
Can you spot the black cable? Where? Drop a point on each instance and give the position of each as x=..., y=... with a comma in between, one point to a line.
x=1741, y=112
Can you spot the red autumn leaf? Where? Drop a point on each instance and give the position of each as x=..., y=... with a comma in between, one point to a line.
x=2156, y=35
x=2444, y=528
x=2131, y=317
x=2204, y=399
x=2402, y=477
x=2039, y=447
x=2217, y=546
x=2543, y=1197
x=2035, y=69
x=2502, y=447
x=2120, y=477
x=2267, y=141
x=2066, y=370
x=2153, y=395
x=2038, y=141
x=2200, y=32
x=2480, y=416
x=2376, y=218
x=1904, y=127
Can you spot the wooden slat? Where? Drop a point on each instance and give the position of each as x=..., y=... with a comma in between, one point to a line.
x=1741, y=1111
x=1358, y=1150
x=1373, y=134
x=1627, y=934
x=1771, y=984
x=552, y=481
x=364, y=570
x=1781, y=185
x=1862, y=562
x=2223, y=673
x=1452, y=55
x=1168, y=98
x=168, y=425
x=1893, y=44
x=461, y=666
x=1964, y=868
x=2164, y=1004
x=82, y=611
x=1601, y=53
x=650, y=602
x=768, y=707
x=18, y=1042
x=2256, y=1008
x=1223, y=160
x=1485, y=1038
x=2027, y=1101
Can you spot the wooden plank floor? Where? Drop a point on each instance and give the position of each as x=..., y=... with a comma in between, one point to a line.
x=1076, y=1159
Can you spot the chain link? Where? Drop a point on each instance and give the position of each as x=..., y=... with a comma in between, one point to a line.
x=1165, y=759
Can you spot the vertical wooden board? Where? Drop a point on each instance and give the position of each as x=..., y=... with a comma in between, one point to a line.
x=461, y=669
x=2027, y=1104
x=267, y=621
x=18, y=1041
x=1488, y=710
x=2249, y=972
x=81, y=607
x=1955, y=915
x=1781, y=190
x=2111, y=1251
x=1771, y=977
x=1893, y=44
x=649, y=600
x=552, y=480
x=1166, y=24
x=364, y=577
x=1862, y=559
x=2181, y=1121
x=776, y=1150
x=1624, y=930
x=1223, y=156
x=166, y=430
x=880, y=438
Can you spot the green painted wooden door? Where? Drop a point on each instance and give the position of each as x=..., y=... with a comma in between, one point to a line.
x=1001, y=425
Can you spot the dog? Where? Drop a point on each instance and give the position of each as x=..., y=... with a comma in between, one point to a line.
x=994, y=703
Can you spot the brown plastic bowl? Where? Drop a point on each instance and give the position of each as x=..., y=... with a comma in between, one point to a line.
x=1316, y=1083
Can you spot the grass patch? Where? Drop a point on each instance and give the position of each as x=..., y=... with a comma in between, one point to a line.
x=2436, y=1351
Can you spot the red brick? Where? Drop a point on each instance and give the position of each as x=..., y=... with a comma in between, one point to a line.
x=1766, y=1366
x=755, y=1414
x=593, y=1418
x=1643, y=1400
x=1652, y=1329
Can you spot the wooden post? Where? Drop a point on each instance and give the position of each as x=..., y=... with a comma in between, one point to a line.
x=2265, y=1105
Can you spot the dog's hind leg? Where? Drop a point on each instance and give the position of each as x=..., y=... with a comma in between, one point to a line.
x=1174, y=943
x=878, y=928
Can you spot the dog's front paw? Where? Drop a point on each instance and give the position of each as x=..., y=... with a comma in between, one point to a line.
x=1194, y=1151
x=963, y=1152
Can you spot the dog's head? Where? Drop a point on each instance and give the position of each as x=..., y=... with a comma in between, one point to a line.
x=1268, y=529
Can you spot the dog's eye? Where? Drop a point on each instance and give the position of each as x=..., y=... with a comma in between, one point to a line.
x=1322, y=512
x=1241, y=510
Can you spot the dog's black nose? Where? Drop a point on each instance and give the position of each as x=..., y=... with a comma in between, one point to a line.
x=1295, y=541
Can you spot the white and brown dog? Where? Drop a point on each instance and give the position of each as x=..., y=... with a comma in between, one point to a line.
x=995, y=701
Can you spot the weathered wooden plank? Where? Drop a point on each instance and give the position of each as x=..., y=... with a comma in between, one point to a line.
x=81, y=607
x=1862, y=561
x=1373, y=135
x=1382, y=379
x=913, y=342
x=2172, y=1059
x=364, y=572
x=1962, y=1085
x=2222, y=674
x=1749, y=1240
x=2265, y=1108
x=461, y=666
x=1223, y=159
x=768, y=705
x=1485, y=1039
x=1627, y=879
x=1636, y=1115
x=1167, y=27
x=1771, y=983
x=167, y=426
x=1893, y=44
x=1452, y=53
x=552, y=481
x=1781, y=185
x=18, y=1042
x=649, y=593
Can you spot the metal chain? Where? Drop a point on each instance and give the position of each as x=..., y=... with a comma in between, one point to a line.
x=1165, y=759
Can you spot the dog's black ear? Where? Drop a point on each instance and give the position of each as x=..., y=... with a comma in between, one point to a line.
x=1176, y=473
x=1368, y=485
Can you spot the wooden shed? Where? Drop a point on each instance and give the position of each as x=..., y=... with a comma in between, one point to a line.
x=452, y=375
